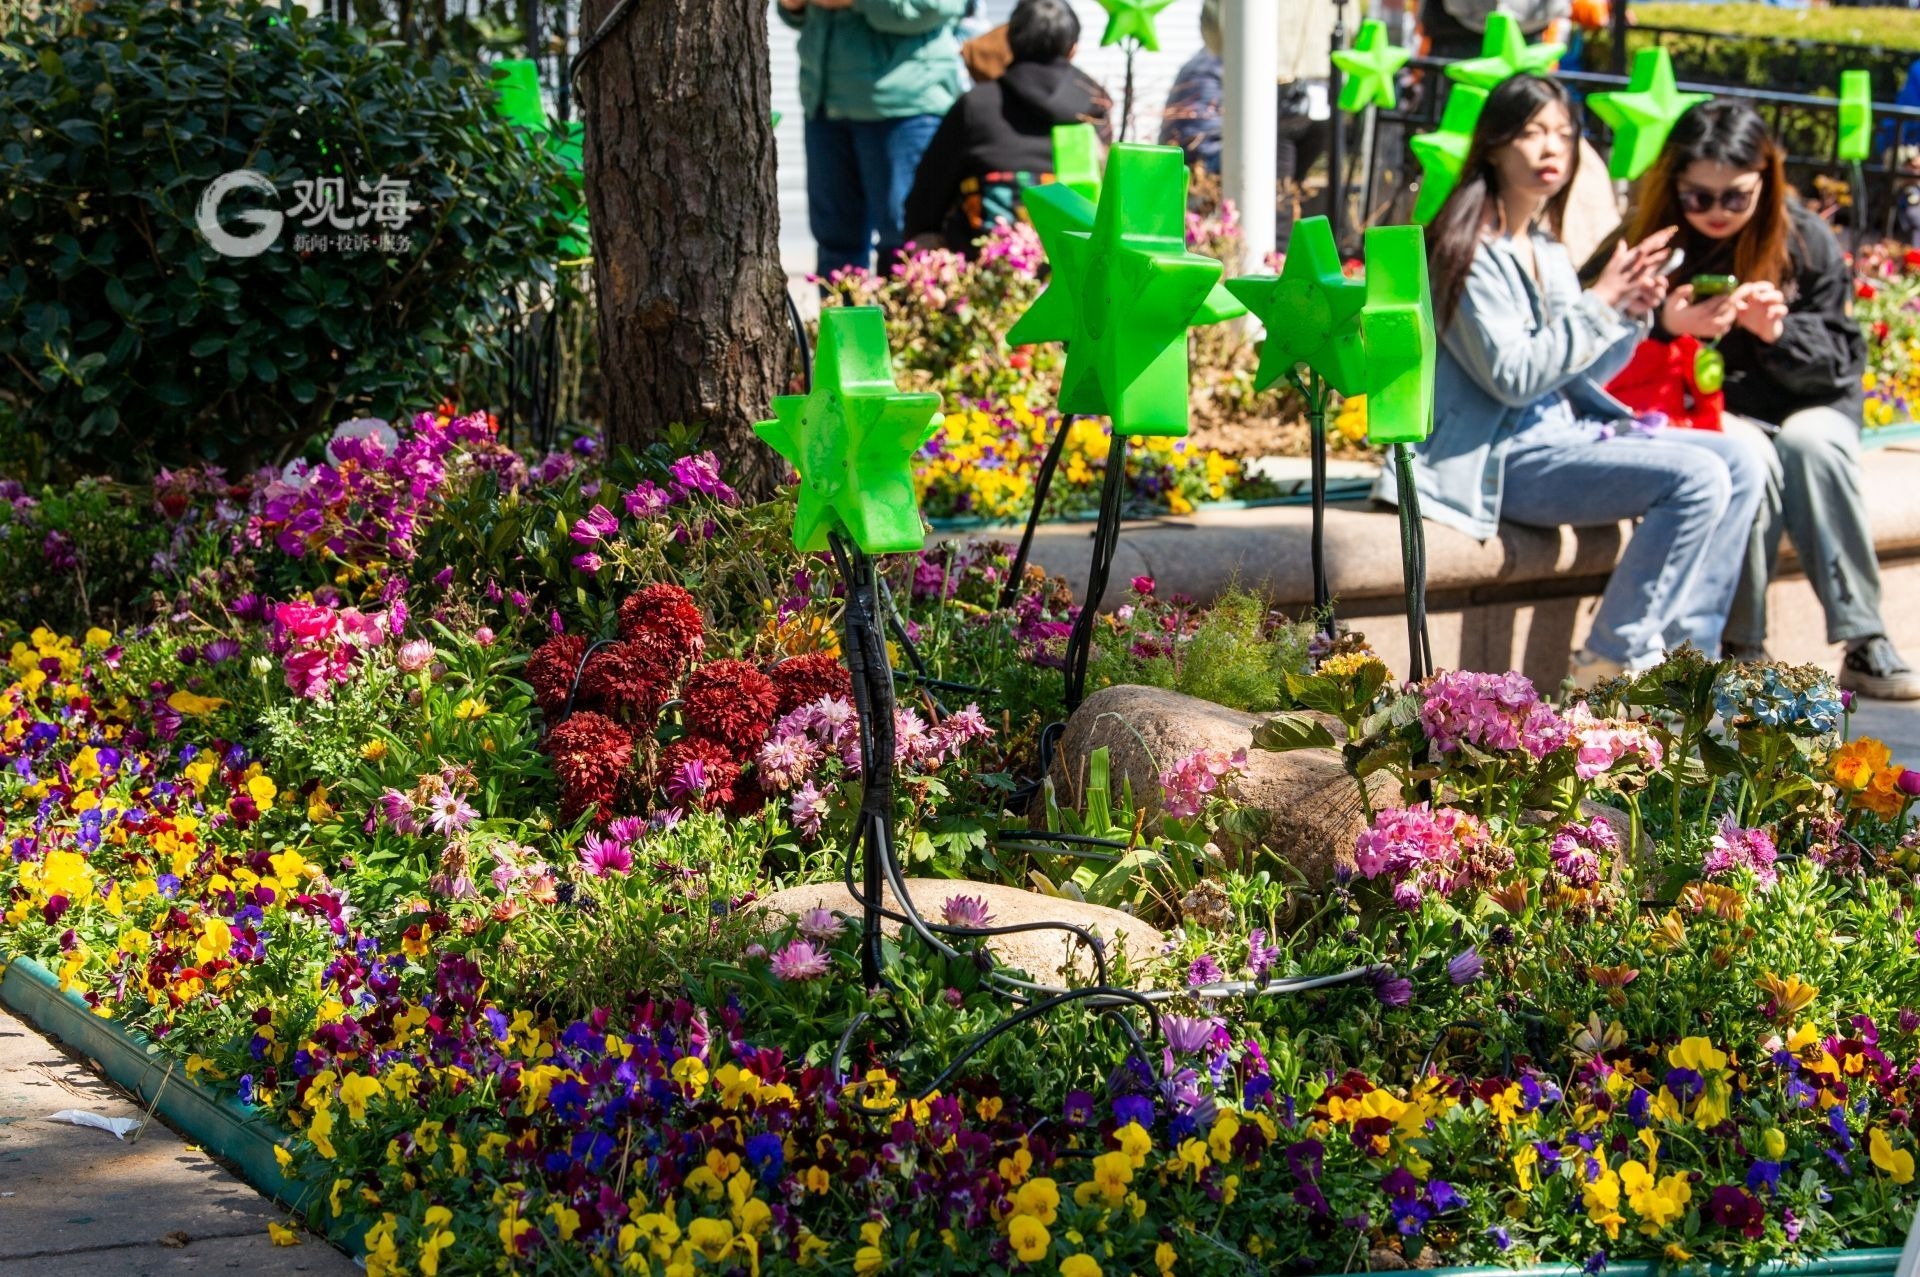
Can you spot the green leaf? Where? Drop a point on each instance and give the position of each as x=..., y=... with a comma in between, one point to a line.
x=1293, y=730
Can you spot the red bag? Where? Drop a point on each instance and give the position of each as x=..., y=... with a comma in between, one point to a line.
x=1660, y=378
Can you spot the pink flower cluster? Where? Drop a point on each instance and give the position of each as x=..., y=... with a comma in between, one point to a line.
x=1600, y=743
x=827, y=730
x=1496, y=712
x=319, y=645
x=605, y=854
x=1185, y=786
x=1735, y=848
x=370, y=500
x=1423, y=849
x=1578, y=850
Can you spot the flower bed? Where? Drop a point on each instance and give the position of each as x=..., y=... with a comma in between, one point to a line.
x=427, y=811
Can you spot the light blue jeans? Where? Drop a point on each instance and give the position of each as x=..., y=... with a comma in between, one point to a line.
x=1695, y=492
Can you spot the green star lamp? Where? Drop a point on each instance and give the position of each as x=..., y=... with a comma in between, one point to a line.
x=1370, y=66
x=1443, y=152
x=1504, y=53
x=1076, y=160
x=1310, y=311
x=517, y=81
x=1396, y=326
x=1132, y=20
x=1642, y=114
x=852, y=439
x=1855, y=142
x=1124, y=291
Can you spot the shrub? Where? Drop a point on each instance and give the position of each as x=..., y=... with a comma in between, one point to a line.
x=126, y=340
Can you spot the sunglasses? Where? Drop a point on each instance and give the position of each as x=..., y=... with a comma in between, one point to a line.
x=1735, y=199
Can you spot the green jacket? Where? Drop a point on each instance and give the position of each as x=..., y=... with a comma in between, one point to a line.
x=879, y=59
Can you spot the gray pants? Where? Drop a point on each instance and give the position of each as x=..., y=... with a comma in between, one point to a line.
x=1813, y=495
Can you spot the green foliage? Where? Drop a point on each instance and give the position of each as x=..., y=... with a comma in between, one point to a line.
x=1234, y=653
x=127, y=341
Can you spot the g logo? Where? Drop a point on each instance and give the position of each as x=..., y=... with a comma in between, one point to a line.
x=266, y=222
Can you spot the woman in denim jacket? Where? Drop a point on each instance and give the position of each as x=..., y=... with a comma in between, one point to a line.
x=1523, y=430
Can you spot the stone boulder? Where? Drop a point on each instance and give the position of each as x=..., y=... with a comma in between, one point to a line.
x=1047, y=956
x=1312, y=806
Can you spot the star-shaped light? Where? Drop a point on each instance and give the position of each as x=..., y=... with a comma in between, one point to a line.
x=1642, y=114
x=1068, y=227
x=1504, y=53
x=1370, y=66
x=517, y=81
x=852, y=439
x=1076, y=159
x=1443, y=153
x=1124, y=293
x=1133, y=18
x=1855, y=142
x=1311, y=312
x=1397, y=326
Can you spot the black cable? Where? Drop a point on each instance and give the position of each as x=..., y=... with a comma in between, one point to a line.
x=800, y=343
x=600, y=33
x=1042, y=484
x=1106, y=539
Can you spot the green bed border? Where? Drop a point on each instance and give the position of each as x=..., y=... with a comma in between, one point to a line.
x=243, y=1136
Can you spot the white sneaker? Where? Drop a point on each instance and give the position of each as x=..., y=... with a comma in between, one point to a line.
x=1587, y=669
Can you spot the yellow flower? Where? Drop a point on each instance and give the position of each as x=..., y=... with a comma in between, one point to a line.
x=262, y=790
x=216, y=941
x=1112, y=1172
x=1080, y=1266
x=1774, y=1140
x=1039, y=1198
x=436, y=1238
x=1135, y=1143
x=193, y=706
x=355, y=1091
x=1896, y=1162
x=1790, y=996
x=1164, y=1257
x=1220, y=1139
x=1029, y=1237
x=1698, y=1054
x=691, y=1070
x=320, y=1132
x=374, y=750
x=97, y=638
x=711, y=1237
x=282, y=1235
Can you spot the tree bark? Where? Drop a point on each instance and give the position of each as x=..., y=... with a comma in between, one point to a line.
x=679, y=160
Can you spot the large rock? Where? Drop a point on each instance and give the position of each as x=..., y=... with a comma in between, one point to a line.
x=1047, y=956
x=1312, y=804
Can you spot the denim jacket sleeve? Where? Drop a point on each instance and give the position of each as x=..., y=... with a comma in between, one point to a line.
x=1499, y=345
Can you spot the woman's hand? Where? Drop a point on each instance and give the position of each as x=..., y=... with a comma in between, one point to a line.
x=1762, y=309
x=1631, y=281
x=1708, y=319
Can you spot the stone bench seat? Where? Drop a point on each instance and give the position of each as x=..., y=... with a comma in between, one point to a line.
x=1522, y=600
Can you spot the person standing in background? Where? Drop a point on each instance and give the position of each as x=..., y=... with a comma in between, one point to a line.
x=1192, y=118
x=876, y=76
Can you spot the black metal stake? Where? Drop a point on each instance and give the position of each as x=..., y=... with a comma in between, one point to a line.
x=1126, y=95
x=1042, y=485
x=1413, y=567
x=1313, y=389
x=1106, y=539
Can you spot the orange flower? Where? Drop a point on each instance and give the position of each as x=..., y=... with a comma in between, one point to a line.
x=1882, y=796
x=1857, y=762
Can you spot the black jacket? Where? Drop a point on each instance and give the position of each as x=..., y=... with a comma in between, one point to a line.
x=1821, y=353
x=1002, y=126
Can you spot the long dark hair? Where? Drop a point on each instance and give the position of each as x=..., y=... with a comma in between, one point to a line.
x=1733, y=134
x=1473, y=208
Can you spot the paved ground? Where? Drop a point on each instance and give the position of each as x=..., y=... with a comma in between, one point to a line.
x=1896, y=724
x=75, y=1202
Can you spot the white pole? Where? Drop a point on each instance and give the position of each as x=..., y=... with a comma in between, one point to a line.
x=1250, y=32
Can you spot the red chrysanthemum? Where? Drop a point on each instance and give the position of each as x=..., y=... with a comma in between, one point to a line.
x=667, y=612
x=806, y=679
x=730, y=702
x=627, y=680
x=591, y=754
x=551, y=667
x=696, y=772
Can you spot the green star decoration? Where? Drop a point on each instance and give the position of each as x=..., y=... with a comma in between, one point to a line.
x=1310, y=310
x=1133, y=18
x=1370, y=66
x=1397, y=327
x=1443, y=153
x=1064, y=221
x=517, y=81
x=1642, y=114
x=1855, y=141
x=1076, y=159
x=852, y=439
x=1504, y=53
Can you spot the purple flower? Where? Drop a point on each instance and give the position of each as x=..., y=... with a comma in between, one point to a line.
x=1392, y=990
x=588, y=562
x=448, y=812
x=647, y=500
x=687, y=782
x=965, y=911
x=808, y=810
x=1467, y=967
x=1261, y=956
x=1187, y=1035
x=800, y=961
x=701, y=473
x=602, y=856
x=595, y=524
x=1204, y=970
x=1079, y=1108
x=820, y=923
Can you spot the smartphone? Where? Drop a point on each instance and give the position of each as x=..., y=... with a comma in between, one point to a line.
x=1675, y=260
x=1713, y=285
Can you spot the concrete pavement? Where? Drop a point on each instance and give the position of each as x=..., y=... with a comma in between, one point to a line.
x=76, y=1202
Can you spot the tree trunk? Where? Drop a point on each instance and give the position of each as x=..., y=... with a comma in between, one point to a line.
x=679, y=158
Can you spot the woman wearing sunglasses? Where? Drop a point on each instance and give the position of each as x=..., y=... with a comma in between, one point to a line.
x=1523, y=432
x=1793, y=355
